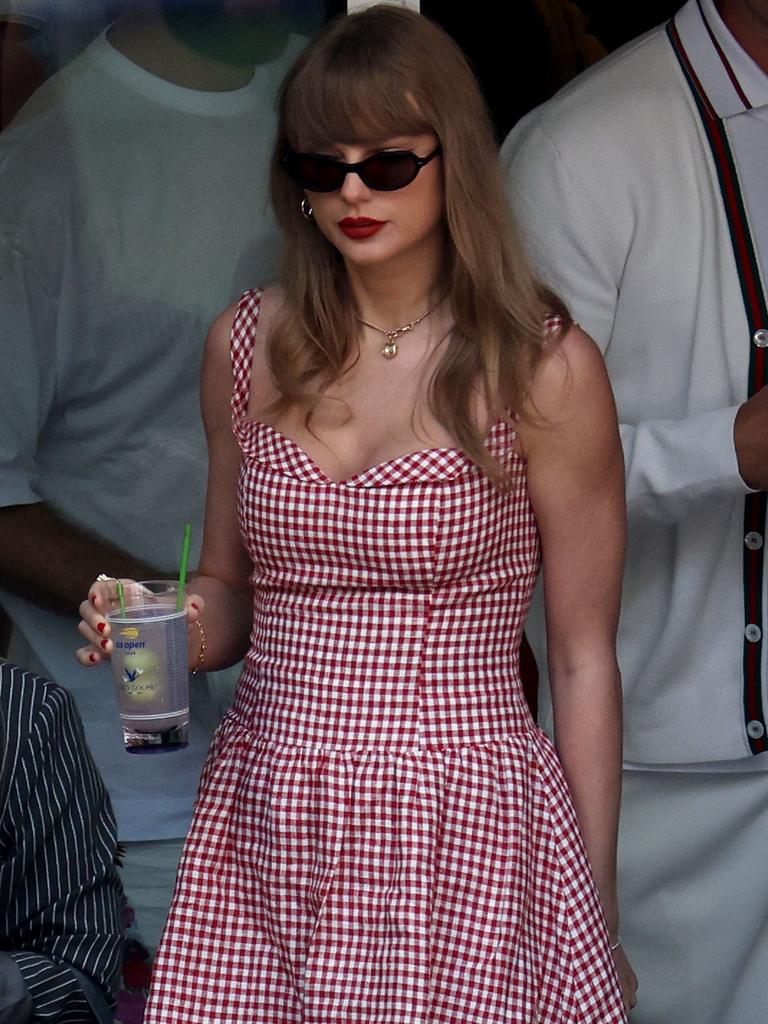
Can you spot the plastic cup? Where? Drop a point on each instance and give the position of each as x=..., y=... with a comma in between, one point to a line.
x=150, y=666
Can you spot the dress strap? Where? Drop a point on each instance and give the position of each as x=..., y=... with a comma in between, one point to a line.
x=553, y=322
x=242, y=341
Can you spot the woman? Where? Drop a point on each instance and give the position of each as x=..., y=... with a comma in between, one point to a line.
x=382, y=833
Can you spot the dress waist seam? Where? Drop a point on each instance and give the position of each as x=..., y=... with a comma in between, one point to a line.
x=264, y=737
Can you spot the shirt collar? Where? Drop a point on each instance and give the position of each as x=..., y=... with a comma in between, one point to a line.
x=751, y=79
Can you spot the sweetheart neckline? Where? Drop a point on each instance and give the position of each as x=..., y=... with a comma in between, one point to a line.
x=379, y=466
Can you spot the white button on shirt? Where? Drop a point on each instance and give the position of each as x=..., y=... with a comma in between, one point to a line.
x=756, y=730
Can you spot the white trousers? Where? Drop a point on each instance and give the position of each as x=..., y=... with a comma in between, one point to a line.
x=693, y=882
x=149, y=876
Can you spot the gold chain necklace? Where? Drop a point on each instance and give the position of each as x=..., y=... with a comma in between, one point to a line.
x=389, y=351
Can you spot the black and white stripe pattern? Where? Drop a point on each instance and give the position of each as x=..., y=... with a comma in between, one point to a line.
x=60, y=895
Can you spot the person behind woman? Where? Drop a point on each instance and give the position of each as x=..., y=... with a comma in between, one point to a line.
x=382, y=832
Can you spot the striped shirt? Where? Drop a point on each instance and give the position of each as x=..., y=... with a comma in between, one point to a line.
x=60, y=895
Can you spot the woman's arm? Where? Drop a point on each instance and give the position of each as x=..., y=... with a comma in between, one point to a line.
x=222, y=599
x=224, y=572
x=576, y=486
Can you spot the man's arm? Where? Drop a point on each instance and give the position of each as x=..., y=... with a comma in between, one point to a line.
x=672, y=465
x=59, y=891
x=53, y=562
x=42, y=556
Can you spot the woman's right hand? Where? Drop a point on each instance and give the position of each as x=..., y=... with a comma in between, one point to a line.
x=102, y=598
x=94, y=626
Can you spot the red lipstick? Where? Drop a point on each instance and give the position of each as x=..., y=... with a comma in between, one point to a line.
x=360, y=227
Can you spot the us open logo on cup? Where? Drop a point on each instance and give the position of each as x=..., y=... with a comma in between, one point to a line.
x=132, y=641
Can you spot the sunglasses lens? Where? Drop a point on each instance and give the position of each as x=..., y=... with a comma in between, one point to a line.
x=314, y=173
x=386, y=172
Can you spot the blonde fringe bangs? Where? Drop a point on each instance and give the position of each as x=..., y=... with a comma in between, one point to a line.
x=348, y=104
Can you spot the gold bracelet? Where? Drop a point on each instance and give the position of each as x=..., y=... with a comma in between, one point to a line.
x=616, y=944
x=203, y=647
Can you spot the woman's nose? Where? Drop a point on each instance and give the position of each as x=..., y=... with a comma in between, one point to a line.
x=353, y=189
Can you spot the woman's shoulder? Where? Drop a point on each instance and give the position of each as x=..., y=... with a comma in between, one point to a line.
x=570, y=381
x=569, y=362
x=271, y=302
x=570, y=404
x=235, y=351
x=254, y=310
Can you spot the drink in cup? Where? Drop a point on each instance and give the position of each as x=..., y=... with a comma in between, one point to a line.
x=150, y=666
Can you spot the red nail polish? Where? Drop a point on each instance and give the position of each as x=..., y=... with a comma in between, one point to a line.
x=92, y=657
x=101, y=627
x=195, y=606
x=104, y=644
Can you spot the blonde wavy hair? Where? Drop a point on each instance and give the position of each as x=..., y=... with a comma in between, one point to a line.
x=371, y=75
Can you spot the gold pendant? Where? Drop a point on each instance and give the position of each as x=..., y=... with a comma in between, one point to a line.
x=390, y=349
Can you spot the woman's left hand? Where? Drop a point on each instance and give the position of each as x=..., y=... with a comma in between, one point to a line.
x=627, y=978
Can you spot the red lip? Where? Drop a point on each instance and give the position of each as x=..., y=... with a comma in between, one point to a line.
x=360, y=227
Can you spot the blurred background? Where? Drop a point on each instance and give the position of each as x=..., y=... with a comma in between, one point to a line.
x=519, y=67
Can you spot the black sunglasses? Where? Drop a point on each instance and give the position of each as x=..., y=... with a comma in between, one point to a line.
x=383, y=172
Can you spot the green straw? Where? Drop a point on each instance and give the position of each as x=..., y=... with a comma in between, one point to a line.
x=183, y=566
x=121, y=596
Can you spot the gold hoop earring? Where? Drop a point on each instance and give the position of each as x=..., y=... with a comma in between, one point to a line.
x=306, y=210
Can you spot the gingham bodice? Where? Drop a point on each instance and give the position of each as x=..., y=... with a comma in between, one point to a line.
x=388, y=608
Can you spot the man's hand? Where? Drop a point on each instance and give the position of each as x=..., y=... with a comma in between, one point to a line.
x=750, y=435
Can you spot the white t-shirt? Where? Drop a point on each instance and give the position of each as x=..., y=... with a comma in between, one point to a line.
x=132, y=211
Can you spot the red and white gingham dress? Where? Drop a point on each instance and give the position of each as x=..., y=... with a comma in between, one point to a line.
x=383, y=835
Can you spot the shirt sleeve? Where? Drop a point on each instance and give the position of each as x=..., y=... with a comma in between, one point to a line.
x=579, y=249
x=27, y=355
x=59, y=885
